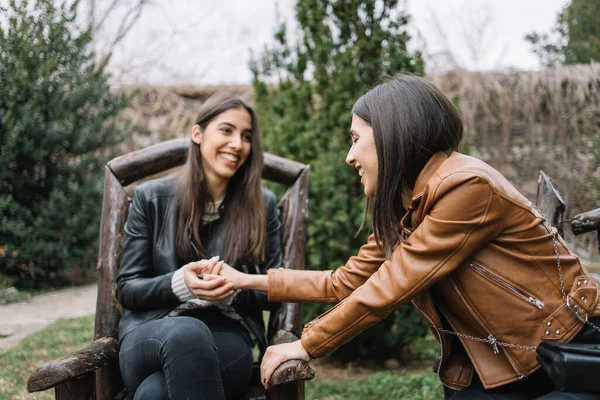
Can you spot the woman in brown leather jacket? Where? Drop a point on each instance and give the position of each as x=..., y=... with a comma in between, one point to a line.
x=490, y=276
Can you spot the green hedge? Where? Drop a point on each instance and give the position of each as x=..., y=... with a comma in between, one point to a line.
x=56, y=114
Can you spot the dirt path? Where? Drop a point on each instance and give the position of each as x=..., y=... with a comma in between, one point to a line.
x=20, y=320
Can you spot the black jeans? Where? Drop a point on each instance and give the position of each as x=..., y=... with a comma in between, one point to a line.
x=185, y=357
x=535, y=386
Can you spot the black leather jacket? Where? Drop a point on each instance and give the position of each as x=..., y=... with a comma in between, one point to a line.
x=149, y=258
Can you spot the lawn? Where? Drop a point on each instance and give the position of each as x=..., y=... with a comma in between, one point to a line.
x=343, y=382
x=17, y=363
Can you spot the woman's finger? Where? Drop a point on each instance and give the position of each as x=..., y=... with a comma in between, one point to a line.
x=217, y=269
x=265, y=368
x=210, y=264
x=276, y=355
x=217, y=298
x=214, y=293
x=209, y=282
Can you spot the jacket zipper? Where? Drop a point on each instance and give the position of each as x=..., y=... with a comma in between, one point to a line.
x=518, y=292
x=310, y=323
x=431, y=323
x=492, y=340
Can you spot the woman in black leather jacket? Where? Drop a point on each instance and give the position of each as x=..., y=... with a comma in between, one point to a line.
x=184, y=335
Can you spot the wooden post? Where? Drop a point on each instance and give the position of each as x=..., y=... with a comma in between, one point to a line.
x=82, y=388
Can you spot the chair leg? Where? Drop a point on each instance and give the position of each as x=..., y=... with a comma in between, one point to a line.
x=82, y=388
x=109, y=383
x=448, y=393
x=287, y=391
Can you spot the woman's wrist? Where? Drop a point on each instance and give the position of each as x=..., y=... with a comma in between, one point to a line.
x=256, y=282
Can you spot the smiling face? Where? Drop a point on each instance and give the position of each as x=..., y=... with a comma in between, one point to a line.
x=363, y=154
x=225, y=145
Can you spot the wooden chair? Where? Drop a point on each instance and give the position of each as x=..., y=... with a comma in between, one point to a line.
x=93, y=372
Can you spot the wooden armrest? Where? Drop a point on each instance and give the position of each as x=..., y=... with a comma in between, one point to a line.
x=586, y=222
x=292, y=370
x=98, y=354
x=283, y=336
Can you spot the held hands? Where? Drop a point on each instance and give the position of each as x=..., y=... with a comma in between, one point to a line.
x=212, y=287
x=232, y=275
x=276, y=355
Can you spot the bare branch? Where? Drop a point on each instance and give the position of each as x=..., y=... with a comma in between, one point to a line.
x=127, y=23
x=108, y=11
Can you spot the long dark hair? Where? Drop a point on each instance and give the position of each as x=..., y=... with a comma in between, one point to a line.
x=411, y=121
x=245, y=217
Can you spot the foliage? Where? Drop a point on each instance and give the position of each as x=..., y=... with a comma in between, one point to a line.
x=304, y=94
x=422, y=386
x=17, y=363
x=56, y=123
x=575, y=39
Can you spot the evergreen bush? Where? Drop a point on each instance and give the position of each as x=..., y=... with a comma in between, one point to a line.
x=56, y=126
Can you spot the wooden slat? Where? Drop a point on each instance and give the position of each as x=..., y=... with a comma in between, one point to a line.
x=139, y=164
x=586, y=222
x=550, y=202
x=115, y=208
x=81, y=388
x=294, y=216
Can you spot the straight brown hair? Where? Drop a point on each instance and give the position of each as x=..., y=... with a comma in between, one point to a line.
x=411, y=120
x=245, y=216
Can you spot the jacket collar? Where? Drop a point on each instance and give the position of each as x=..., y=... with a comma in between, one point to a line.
x=426, y=173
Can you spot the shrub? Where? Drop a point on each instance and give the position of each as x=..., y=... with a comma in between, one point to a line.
x=56, y=124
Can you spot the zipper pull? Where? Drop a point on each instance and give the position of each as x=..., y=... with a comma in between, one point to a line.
x=536, y=302
x=310, y=323
x=492, y=340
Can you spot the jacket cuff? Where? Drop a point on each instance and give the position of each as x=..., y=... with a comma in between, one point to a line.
x=309, y=346
x=179, y=288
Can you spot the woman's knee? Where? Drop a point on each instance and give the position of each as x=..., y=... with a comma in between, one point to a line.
x=189, y=333
x=153, y=387
x=189, y=339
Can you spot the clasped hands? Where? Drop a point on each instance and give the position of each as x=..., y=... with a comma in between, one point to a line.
x=219, y=281
x=212, y=286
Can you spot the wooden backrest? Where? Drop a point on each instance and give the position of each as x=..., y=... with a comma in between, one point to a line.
x=129, y=168
x=552, y=205
x=549, y=201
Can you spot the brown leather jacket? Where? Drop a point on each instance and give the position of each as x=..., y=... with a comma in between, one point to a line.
x=478, y=260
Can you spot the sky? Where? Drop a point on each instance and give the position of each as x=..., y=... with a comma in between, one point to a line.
x=207, y=42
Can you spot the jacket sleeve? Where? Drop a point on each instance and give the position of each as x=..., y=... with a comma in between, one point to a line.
x=466, y=216
x=137, y=288
x=326, y=286
x=273, y=257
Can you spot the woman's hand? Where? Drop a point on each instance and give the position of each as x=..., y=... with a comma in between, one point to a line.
x=211, y=287
x=276, y=355
x=239, y=279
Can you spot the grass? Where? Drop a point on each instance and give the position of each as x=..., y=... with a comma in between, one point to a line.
x=379, y=386
x=17, y=363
